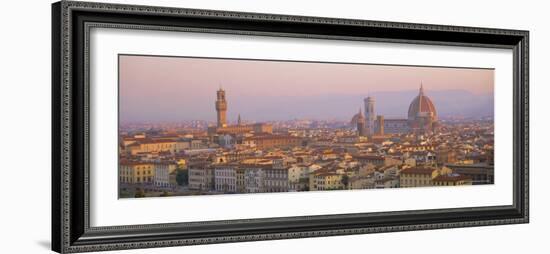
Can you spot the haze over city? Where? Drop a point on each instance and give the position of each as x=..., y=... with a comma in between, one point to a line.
x=268, y=126
x=171, y=89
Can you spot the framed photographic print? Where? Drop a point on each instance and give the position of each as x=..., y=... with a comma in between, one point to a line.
x=181, y=126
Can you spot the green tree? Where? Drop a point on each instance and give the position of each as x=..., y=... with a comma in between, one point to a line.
x=345, y=180
x=182, y=177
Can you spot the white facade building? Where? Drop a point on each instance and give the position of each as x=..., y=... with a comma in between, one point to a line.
x=254, y=178
x=162, y=174
x=225, y=178
x=201, y=178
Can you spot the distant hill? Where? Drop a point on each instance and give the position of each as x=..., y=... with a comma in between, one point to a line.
x=447, y=103
x=390, y=104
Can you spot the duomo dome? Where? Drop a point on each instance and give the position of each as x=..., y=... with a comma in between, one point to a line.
x=423, y=107
x=421, y=118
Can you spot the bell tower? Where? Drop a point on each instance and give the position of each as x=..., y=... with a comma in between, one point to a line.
x=370, y=115
x=361, y=128
x=221, y=108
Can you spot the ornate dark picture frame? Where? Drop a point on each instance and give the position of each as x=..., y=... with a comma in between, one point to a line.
x=71, y=231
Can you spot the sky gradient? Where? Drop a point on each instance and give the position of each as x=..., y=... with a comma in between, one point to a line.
x=172, y=89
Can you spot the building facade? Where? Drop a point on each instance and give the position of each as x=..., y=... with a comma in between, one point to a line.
x=254, y=178
x=479, y=173
x=417, y=177
x=452, y=180
x=136, y=172
x=271, y=141
x=326, y=181
x=225, y=178
x=421, y=176
x=201, y=178
x=277, y=179
x=162, y=174
x=156, y=146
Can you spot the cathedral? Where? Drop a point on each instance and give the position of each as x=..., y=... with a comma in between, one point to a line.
x=421, y=118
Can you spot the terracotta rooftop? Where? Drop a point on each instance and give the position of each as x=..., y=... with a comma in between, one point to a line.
x=134, y=163
x=270, y=137
x=156, y=141
x=417, y=170
x=369, y=157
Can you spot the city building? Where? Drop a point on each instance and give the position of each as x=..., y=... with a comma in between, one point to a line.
x=254, y=177
x=241, y=129
x=387, y=183
x=241, y=181
x=452, y=180
x=376, y=160
x=131, y=172
x=421, y=176
x=361, y=182
x=298, y=177
x=225, y=178
x=479, y=173
x=201, y=178
x=326, y=180
x=270, y=141
x=277, y=179
x=416, y=177
x=445, y=156
x=162, y=174
x=144, y=146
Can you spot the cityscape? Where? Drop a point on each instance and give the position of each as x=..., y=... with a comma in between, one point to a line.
x=368, y=150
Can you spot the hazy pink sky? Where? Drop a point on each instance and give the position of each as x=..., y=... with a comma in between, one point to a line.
x=177, y=88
